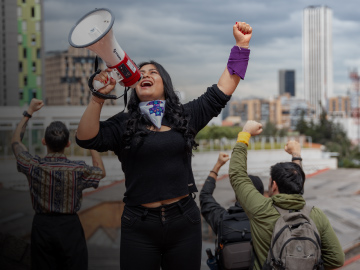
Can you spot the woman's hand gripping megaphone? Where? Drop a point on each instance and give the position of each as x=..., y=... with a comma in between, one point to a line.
x=104, y=82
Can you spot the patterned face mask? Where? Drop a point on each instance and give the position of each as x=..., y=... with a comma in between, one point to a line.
x=154, y=109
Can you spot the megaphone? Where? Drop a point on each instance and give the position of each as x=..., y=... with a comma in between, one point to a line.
x=94, y=32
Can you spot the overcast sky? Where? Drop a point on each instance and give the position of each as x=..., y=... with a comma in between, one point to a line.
x=192, y=39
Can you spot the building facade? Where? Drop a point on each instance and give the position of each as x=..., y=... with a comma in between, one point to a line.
x=21, y=50
x=67, y=74
x=261, y=110
x=293, y=109
x=317, y=56
x=284, y=111
x=340, y=105
x=287, y=82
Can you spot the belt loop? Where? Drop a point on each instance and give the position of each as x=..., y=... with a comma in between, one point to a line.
x=144, y=214
x=180, y=207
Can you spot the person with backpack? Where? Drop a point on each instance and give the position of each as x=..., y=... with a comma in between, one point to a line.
x=286, y=233
x=56, y=185
x=231, y=225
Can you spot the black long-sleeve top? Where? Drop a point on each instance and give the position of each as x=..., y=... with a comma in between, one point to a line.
x=160, y=168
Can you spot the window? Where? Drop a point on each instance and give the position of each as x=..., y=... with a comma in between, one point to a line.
x=20, y=66
x=38, y=80
x=33, y=40
x=25, y=80
x=24, y=26
x=21, y=94
x=20, y=38
x=24, y=53
x=33, y=66
x=32, y=12
x=38, y=53
x=34, y=93
x=19, y=12
x=24, y=1
x=37, y=26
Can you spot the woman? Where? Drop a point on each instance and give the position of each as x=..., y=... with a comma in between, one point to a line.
x=161, y=222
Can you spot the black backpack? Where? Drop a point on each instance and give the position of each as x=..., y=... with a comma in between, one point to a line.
x=234, y=250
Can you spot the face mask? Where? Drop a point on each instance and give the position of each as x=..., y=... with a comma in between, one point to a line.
x=154, y=109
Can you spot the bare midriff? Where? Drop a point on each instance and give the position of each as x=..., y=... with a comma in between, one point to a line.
x=164, y=202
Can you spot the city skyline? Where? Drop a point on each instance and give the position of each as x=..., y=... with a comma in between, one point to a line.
x=193, y=40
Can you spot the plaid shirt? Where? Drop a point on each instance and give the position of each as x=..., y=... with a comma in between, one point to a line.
x=56, y=183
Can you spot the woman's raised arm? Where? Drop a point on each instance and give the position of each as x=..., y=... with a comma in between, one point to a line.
x=90, y=121
x=238, y=59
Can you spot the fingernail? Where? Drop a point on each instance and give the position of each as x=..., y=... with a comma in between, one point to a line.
x=236, y=22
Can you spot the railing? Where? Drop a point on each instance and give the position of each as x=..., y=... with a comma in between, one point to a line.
x=256, y=143
x=35, y=132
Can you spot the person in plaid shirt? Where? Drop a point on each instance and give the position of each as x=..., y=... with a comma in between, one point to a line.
x=56, y=184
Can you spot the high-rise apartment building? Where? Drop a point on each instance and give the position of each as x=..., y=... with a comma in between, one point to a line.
x=317, y=56
x=67, y=75
x=287, y=82
x=21, y=50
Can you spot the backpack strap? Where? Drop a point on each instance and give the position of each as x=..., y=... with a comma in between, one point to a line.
x=307, y=210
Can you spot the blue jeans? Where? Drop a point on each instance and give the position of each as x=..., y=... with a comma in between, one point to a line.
x=168, y=236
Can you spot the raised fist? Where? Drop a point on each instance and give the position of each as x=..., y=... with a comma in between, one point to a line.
x=253, y=127
x=35, y=105
x=223, y=158
x=242, y=33
x=293, y=148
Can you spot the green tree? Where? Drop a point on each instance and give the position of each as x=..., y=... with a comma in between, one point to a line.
x=269, y=129
x=333, y=137
x=302, y=125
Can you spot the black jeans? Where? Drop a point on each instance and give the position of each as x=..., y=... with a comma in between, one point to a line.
x=58, y=242
x=168, y=236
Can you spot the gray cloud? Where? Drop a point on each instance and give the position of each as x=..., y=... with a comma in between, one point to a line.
x=192, y=39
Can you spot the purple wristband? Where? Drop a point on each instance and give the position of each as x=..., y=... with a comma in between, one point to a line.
x=238, y=61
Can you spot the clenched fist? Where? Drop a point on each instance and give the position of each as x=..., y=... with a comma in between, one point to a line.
x=223, y=158
x=242, y=33
x=35, y=105
x=252, y=127
x=293, y=148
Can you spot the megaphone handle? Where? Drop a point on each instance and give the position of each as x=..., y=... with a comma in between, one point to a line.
x=98, y=85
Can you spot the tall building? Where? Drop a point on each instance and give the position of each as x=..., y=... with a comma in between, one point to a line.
x=340, y=105
x=21, y=50
x=261, y=110
x=287, y=82
x=67, y=75
x=317, y=56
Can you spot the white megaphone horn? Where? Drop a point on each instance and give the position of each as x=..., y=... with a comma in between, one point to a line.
x=94, y=32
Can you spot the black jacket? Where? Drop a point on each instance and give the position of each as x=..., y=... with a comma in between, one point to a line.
x=210, y=209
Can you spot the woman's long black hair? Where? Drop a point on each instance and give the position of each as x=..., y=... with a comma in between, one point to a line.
x=136, y=126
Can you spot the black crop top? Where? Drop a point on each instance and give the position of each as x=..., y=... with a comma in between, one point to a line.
x=160, y=168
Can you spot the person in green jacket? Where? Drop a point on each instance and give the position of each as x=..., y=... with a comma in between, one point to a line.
x=260, y=210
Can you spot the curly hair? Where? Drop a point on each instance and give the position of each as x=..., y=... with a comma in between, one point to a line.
x=136, y=125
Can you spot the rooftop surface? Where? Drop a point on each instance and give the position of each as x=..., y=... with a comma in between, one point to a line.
x=335, y=191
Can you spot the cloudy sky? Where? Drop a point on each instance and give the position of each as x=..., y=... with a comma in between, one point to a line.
x=192, y=39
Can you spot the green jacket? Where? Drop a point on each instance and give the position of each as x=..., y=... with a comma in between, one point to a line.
x=263, y=215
